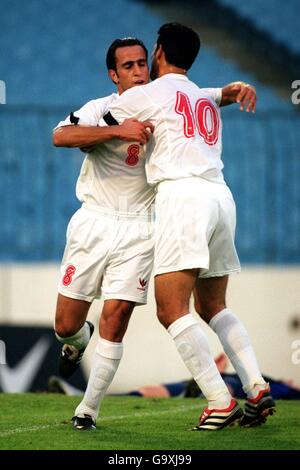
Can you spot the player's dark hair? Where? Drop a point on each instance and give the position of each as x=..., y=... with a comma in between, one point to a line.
x=180, y=44
x=111, y=53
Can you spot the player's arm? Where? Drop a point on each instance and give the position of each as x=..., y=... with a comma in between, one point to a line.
x=239, y=92
x=82, y=136
x=131, y=130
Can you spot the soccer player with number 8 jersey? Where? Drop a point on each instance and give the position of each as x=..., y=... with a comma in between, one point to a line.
x=109, y=249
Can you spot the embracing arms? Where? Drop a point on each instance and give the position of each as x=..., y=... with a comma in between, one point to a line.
x=132, y=130
x=81, y=136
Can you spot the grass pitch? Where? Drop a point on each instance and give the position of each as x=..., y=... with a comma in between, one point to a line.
x=42, y=421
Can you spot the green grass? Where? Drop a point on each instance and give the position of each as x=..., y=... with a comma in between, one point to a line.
x=42, y=421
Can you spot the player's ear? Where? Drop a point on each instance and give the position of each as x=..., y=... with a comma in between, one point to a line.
x=114, y=76
x=159, y=52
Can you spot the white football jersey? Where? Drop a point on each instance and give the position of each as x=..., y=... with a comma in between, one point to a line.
x=113, y=175
x=187, y=140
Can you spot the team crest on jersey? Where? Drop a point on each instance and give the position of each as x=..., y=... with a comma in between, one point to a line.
x=143, y=284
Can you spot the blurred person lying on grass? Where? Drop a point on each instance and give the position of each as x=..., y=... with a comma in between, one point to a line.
x=283, y=390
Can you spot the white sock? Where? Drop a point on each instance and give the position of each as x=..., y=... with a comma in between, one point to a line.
x=80, y=340
x=105, y=363
x=237, y=345
x=194, y=349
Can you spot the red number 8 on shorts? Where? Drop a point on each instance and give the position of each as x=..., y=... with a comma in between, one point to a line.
x=69, y=273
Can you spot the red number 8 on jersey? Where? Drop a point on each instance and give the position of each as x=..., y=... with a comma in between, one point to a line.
x=133, y=153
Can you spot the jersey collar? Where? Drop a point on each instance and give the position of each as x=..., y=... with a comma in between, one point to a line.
x=178, y=76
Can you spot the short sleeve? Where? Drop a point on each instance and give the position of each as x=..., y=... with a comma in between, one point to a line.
x=89, y=115
x=215, y=94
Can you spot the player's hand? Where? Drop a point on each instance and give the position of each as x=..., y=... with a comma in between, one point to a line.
x=247, y=97
x=133, y=130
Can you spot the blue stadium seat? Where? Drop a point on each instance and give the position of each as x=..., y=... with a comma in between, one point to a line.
x=277, y=18
x=56, y=63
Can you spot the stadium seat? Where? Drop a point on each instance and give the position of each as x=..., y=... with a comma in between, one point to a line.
x=279, y=19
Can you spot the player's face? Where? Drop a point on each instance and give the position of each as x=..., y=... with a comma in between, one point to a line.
x=132, y=68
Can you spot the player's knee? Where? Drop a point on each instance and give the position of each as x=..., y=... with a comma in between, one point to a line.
x=210, y=309
x=201, y=312
x=160, y=314
x=169, y=311
x=65, y=330
x=164, y=316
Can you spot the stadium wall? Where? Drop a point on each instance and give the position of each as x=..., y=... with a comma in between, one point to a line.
x=264, y=298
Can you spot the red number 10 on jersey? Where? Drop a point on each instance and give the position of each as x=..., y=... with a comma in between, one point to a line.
x=205, y=116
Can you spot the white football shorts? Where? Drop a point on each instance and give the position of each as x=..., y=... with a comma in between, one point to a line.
x=108, y=255
x=195, y=227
